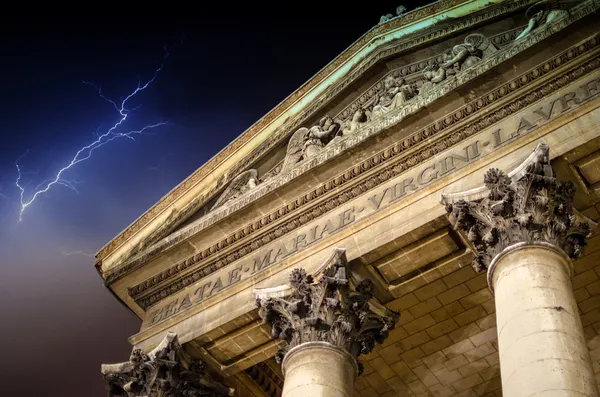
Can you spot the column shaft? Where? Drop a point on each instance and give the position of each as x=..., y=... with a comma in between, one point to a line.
x=318, y=369
x=541, y=343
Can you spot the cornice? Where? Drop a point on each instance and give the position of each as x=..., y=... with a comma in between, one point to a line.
x=281, y=133
x=389, y=163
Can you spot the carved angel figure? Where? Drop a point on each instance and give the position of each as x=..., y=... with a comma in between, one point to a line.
x=474, y=49
x=306, y=142
x=396, y=93
x=320, y=135
x=242, y=183
x=357, y=121
x=433, y=75
x=542, y=13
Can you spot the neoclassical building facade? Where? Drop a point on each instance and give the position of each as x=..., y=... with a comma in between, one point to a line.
x=418, y=219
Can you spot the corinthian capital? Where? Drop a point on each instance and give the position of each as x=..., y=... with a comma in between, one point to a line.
x=166, y=371
x=529, y=206
x=327, y=310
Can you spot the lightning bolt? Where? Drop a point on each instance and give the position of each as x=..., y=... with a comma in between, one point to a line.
x=85, y=152
x=78, y=253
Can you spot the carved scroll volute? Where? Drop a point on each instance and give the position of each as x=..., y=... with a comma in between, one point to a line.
x=529, y=205
x=328, y=310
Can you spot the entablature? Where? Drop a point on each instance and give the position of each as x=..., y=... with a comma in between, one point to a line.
x=235, y=238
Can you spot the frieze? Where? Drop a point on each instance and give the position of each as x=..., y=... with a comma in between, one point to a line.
x=249, y=134
x=359, y=136
x=550, y=109
x=384, y=192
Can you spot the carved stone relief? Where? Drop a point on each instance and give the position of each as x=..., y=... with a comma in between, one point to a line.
x=328, y=311
x=272, y=172
x=356, y=122
x=461, y=57
x=397, y=92
x=242, y=183
x=308, y=142
x=372, y=104
x=167, y=371
x=542, y=13
x=529, y=207
x=414, y=73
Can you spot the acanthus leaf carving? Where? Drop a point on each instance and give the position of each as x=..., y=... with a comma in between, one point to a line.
x=166, y=371
x=529, y=207
x=327, y=310
x=114, y=274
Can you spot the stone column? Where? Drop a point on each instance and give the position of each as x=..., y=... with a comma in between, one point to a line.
x=525, y=233
x=318, y=369
x=326, y=325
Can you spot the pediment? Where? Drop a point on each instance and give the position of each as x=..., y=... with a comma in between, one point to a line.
x=399, y=71
x=393, y=65
x=332, y=89
x=267, y=176
x=353, y=104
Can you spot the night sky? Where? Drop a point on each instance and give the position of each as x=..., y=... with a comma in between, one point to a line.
x=228, y=65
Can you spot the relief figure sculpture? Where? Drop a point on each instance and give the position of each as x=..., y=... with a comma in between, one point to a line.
x=359, y=118
x=433, y=74
x=464, y=55
x=542, y=13
x=396, y=93
x=306, y=142
x=242, y=183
